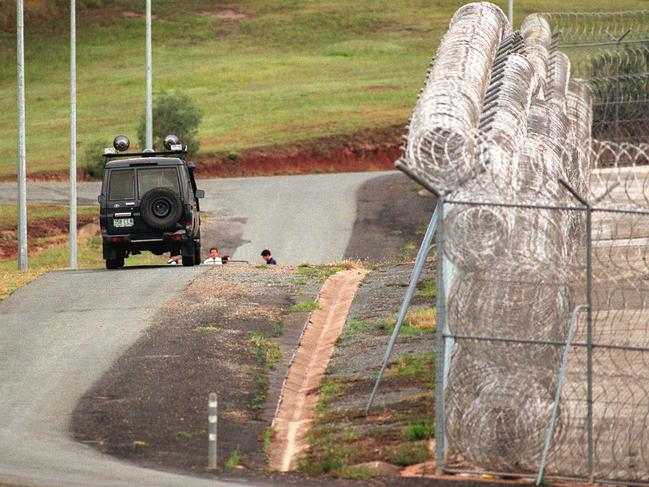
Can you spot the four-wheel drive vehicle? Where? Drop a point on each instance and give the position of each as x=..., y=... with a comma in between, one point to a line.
x=149, y=201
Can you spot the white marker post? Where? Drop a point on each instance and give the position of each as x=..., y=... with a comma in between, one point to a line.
x=149, y=80
x=22, y=151
x=73, y=134
x=212, y=432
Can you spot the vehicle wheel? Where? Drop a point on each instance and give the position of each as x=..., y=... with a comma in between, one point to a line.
x=114, y=263
x=197, y=253
x=188, y=260
x=161, y=208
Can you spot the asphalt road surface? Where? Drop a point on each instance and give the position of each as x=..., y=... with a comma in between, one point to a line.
x=299, y=218
x=60, y=333
x=57, y=336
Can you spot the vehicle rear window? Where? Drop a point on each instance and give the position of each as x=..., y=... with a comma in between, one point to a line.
x=122, y=185
x=161, y=177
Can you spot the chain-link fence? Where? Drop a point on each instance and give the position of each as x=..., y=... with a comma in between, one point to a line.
x=542, y=232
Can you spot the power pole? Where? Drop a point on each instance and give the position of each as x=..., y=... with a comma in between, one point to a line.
x=22, y=152
x=73, y=134
x=149, y=82
x=510, y=12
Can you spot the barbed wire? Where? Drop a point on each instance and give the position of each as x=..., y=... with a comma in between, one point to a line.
x=504, y=131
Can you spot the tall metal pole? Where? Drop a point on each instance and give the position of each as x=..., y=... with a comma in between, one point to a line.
x=589, y=334
x=149, y=81
x=440, y=345
x=73, y=134
x=22, y=152
x=510, y=12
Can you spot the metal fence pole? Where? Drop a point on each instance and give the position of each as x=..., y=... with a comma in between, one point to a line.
x=420, y=262
x=212, y=432
x=440, y=341
x=589, y=333
x=22, y=151
x=557, y=397
x=510, y=12
x=149, y=80
x=73, y=135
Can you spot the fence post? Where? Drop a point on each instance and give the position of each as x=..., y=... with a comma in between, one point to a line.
x=439, y=340
x=589, y=333
x=212, y=432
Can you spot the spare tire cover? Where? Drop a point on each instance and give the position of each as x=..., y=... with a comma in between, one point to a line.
x=161, y=208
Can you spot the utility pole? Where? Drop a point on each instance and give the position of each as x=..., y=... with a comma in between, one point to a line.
x=149, y=82
x=73, y=134
x=22, y=152
x=510, y=12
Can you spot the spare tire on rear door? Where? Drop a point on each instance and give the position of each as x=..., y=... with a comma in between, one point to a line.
x=161, y=208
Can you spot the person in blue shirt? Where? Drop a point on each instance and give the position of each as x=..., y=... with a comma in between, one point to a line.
x=265, y=254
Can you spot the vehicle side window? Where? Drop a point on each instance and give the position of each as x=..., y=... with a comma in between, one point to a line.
x=122, y=185
x=162, y=177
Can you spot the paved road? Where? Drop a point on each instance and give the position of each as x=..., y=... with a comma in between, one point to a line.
x=57, y=336
x=60, y=333
x=300, y=218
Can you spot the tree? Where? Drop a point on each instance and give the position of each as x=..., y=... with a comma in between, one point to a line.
x=173, y=114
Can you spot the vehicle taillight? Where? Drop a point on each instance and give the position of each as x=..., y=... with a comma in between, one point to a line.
x=117, y=239
x=176, y=236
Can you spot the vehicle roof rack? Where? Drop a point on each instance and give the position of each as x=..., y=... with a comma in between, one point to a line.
x=182, y=153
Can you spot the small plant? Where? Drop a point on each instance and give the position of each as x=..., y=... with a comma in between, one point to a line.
x=233, y=460
x=259, y=399
x=206, y=329
x=418, y=367
x=410, y=454
x=184, y=435
x=267, y=353
x=419, y=431
x=277, y=330
x=426, y=288
x=269, y=435
x=303, y=307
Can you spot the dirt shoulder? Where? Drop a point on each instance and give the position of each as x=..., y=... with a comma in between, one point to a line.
x=366, y=150
x=231, y=332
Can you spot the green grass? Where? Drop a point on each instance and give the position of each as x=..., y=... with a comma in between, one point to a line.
x=291, y=70
x=267, y=352
x=419, y=431
x=206, y=329
x=426, y=288
x=184, y=435
x=233, y=460
x=418, y=368
x=303, y=307
x=9, y=213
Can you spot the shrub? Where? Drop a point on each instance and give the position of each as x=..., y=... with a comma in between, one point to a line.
x=173, y=113
x=93, y=158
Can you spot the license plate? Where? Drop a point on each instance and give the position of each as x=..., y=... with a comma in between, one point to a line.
x=122, y=222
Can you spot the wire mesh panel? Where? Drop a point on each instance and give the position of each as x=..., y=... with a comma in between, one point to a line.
x=539, y=220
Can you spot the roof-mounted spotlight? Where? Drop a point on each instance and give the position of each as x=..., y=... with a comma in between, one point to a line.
x=121, y=143
x=172, y=142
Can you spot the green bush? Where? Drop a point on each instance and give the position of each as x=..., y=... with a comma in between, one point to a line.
x=93, y=158
x=173, y=113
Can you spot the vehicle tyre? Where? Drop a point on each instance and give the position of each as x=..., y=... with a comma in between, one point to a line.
x=197, y=253
x=161, y=208
x=114, y=263
x=188, y=260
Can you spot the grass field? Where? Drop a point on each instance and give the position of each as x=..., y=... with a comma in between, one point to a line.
x=282, y=71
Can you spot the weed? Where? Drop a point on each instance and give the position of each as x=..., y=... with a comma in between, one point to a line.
x=410, y=454
x=233, y=460
x=426, y=288
x=277, y=330
x=331, y=388
x=419, y=367
x=267, y=352
x=261, y=266
x=184, y=435
x=206, y=329
x=354, y=473
x=303, y=307
x=407, y=251
x=419, y=431
x=324, y=271
x=269, y=435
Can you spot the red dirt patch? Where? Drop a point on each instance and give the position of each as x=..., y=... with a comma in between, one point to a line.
x=40, y=229
x=367, y=150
